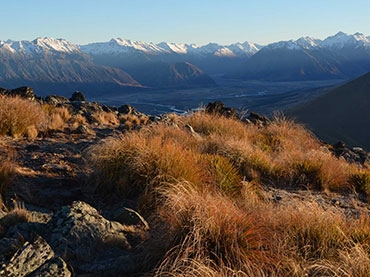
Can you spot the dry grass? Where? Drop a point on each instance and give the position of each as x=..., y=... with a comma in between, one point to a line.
x=206, y=226
x=131, y=121
x=58, y=117
x=7, y=172
x=203, y=193
x=105, y=118
x=17, y=215
x=20, y=117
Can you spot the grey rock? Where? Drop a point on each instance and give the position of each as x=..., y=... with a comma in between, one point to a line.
x=55, y=267
x=28, y=258
x=79, y=231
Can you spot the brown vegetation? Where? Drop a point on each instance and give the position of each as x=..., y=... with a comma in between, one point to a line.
x=202, y=180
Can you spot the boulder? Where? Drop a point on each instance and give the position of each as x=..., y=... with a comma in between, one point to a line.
x=219, y=108
x=258, y=119
x=78, y=232
x=127, y=109
x=35, y=259
x=78, y=96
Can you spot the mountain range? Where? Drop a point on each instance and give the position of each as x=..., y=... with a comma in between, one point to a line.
x=120, y=64
x=340, y=56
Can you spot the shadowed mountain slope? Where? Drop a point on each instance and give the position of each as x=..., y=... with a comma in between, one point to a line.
x=342, y=114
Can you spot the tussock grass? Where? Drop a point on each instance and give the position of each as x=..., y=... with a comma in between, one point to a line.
x=105, y=118
x=58, y=117
x=17, y=215
x=21, y=117
x=201, y=180
x=131, y=121
x=7, y=172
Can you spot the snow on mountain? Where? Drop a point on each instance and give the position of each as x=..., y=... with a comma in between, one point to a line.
x=291, y=45
x=308, y=42
x=178, y=48
x=39, y=45
x=245, y=48
x=338, y=41
x=59, y=45
x=120, y=45
x=342, y=40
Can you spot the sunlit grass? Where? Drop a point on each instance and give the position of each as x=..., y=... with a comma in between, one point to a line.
x=201, y=181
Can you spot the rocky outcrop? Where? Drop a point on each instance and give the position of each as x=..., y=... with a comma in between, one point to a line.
x=77, y=236
x=23, y=92
x=219, y=108
x=77, y=96
x=353, y=155
x=56, y=100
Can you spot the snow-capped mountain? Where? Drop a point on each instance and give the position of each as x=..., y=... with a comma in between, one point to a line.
x=38, y=46
x=338, y=56
x=49, y=60
x=342, y=40
x=337, y=41
x=212, y=58
x=119, y=45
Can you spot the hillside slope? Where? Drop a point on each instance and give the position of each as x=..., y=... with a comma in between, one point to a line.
x=342, y=114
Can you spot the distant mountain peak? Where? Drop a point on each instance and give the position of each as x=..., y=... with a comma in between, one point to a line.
x=39, y=45
x=120, y=45
x=60, y=45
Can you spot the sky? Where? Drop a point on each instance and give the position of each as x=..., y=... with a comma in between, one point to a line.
x=185, y=21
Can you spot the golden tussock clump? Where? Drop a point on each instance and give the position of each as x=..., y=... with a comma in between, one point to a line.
x=21, y=117
x=201, y=182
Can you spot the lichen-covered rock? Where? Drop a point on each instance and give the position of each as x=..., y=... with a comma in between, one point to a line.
x=28, y=258
x=79, y=231
x=55, y=267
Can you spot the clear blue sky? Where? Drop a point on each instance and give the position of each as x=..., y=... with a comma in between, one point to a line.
x=184, y=21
